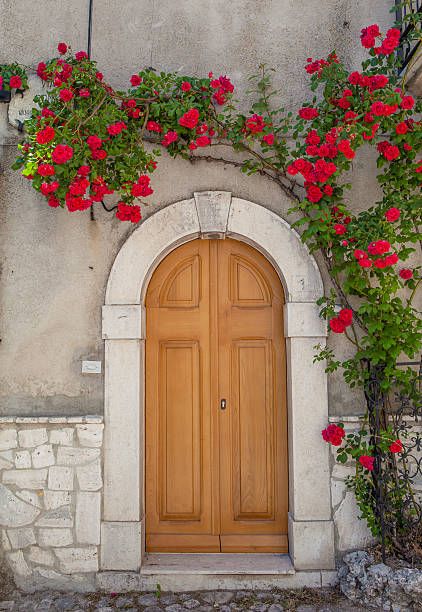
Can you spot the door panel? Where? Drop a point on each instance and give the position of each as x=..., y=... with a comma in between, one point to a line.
x=216, y=479
x=180, y=463
x=253, y=468
x=252, y=430
x=179, y=500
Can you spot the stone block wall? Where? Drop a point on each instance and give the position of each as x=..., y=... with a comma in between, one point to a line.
x=50, y=500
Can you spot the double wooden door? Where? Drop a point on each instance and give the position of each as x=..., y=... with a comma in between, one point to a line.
x=216, y=427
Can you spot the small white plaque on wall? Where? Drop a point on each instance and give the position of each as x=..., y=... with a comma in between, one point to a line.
x=91, y=367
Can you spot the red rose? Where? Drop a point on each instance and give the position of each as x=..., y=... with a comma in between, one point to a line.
x=407, y=103
x=292, y=169
x=53, y=202
x=379, y=247
x=333, y=434
x=268, y=139
x=65, y=95
x=79, y=186
x=220, y=97
x=62, y=48
x=312, y=138
x=380, y=263
x=407, y=147
x=46, y=135
x=346, y=316
x=203, y=141
x=45, y=170
x=337, y=325
x=98, y=154
x=46, y=112
x=84, y=92
x=367, y=462
x=192, y=146
x=62, y=154
x=308, y=113
x=186, y=86
x=226, y=85
x=392, y=152
x=406, y=273
x=99, y=76
x=153, y=126
x=190, y=119
x=401, y=128
x=314, y=193
x=340, y=229
x=135, y=80
x=354, y=78
x=378, y=108
x=345, y=148
x=81, y=55
x=41, y=71
x=142, y=188
x=94, y=142
x=392, y=214
x=392, y=259
x=359, y=254
x=328, y=190
x=125, y=212
x=365, y=263
x=396, y=446
x=84, y=170
x=255, y=124
x=116, y=128
x=15, y=82
x=169, y=137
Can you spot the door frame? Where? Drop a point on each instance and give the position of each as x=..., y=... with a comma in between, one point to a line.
x=214, y=214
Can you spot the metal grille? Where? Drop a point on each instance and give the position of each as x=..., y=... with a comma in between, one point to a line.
x=410, y=39
x=397, y=478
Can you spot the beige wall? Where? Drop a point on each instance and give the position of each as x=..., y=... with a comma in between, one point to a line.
x=55, y=264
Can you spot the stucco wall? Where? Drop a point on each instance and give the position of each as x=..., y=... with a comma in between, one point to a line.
x=55, y=264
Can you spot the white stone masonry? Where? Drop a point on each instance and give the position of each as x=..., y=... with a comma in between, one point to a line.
x=50, y=500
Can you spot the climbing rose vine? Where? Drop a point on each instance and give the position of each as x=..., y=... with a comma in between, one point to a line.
x=87, y=143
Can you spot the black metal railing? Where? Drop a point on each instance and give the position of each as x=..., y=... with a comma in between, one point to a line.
x=397, y=478
x=408, y=17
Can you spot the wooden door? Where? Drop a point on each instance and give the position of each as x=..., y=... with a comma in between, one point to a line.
x=216, y=425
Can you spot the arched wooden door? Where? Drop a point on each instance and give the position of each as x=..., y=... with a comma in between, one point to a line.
x=216, y=418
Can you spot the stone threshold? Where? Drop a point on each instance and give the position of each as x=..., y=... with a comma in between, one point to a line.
x=217, y=564
x=184, y=580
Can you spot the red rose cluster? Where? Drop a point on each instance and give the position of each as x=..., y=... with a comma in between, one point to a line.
x=141, y=188
x=223, y=86
x=126, y=212
x=388, y=45
x=15, y=82
x=308, y=113
x=333, y=434
x=317, y=66
x=376, y=249
x=367, y=462
x=255, y=124
x=190, y=119
x=372, y=82
x=339, y=323
x=389, y=151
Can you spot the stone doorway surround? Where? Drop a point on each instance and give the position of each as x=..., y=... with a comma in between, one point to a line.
x=213, y=214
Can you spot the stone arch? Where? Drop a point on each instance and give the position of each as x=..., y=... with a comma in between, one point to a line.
x=214, y=214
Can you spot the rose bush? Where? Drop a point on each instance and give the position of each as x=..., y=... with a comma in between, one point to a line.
x=86, y=142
